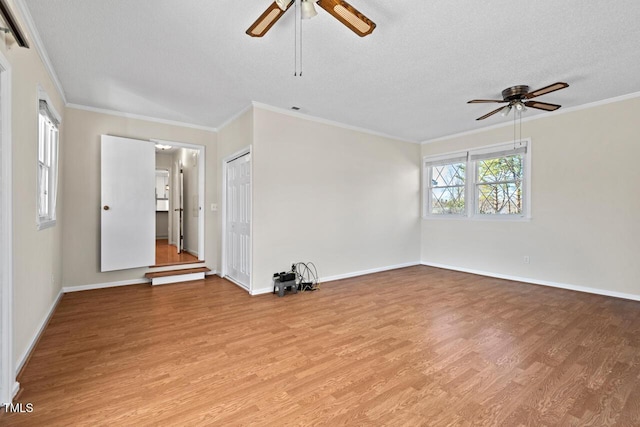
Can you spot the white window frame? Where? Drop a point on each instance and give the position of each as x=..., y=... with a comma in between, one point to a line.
x=473, y=156
x=428, y=163
x=47, y=159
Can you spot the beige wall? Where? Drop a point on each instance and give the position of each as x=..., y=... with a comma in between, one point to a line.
x=37, y=259
x=585, y=231
x=81, y=242
x=346, y=200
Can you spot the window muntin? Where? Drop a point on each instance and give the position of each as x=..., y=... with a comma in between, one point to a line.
x=47, y=165
x=447, y=188
x=499, y=185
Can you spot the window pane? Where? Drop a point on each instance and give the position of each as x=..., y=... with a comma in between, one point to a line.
x=43, y=185
x=41, y=139
x=503, y=198
x=500, y=169
x=447, y=200
x=447, y=175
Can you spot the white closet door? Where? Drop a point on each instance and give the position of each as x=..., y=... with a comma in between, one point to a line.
x=238, y=205
x=128, y=203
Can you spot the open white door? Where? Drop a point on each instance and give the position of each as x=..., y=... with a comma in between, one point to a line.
x=238, y=220
x=128, y=203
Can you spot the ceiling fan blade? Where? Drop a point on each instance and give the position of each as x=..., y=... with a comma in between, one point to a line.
x=490, y=114
x=482, y=101
x=349, y=16
x=267, y=19
x=542, y=105
x=546, y=89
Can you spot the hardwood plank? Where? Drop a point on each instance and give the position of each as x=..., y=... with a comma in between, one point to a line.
x=416, y=346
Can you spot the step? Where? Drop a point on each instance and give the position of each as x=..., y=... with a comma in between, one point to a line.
x=177, y=276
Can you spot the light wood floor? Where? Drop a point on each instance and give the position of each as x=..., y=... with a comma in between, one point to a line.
x=167, y=254
x=417, y=346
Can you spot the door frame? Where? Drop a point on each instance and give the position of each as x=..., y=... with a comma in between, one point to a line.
x=201, y=180
x=223, y=259
x=8, y=384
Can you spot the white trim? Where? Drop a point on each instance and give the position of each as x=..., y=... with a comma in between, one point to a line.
x=140, y=117
x=365, y=272
x=223, y=228
x=328, y=122
x=528, y=280
x=202, y=155
x=211, y=273
x=536, y=117
x=262, y=291
x=37, y=41
x=69, y=289
x=177, y=278
x=234, y=117
x=8, y=382
x=34, y=339
x=470, y=184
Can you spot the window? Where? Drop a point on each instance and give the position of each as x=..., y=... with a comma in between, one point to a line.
x=445, y=180
x=48, y=122
x=490, y=182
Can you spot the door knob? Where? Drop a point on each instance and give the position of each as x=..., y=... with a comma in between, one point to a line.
x=106, y=208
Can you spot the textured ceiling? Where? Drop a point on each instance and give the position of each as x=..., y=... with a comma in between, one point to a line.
x=191, y=61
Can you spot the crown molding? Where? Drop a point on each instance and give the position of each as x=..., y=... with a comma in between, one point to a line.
x=24, y=13
x=234, y=117
x=327, y=122
x=140, y=117
x=538, y=117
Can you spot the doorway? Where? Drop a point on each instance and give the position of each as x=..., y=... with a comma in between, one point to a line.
x=236, y=222
x=127, y=198
x=179, y=203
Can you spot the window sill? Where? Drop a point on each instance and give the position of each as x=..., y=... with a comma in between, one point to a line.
x=445, y=217
x=506, y=218
x=494, y=218
x=41, y=225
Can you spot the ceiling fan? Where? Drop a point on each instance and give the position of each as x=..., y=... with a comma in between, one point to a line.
x=517, y=97
x=339, y=9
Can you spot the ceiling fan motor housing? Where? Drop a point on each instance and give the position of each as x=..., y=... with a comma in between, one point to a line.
x=515, y=93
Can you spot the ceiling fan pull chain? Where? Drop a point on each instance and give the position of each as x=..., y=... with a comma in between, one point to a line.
x=295, y=38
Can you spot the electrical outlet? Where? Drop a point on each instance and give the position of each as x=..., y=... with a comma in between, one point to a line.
x=526, y=259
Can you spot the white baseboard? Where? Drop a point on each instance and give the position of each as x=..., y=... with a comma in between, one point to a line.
x=262, y=291
x=34, y=339
x=15, y=390
x=364, y=272
x=211, y=273
x=577, y=288
x=141, y=281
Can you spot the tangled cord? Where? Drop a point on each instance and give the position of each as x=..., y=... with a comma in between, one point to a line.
x=306, y=276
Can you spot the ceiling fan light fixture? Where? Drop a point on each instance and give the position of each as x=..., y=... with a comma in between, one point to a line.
x=307, y=10
x=283, y=4
x=505, y=111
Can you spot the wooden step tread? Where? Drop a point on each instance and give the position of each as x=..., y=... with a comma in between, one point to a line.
x=176, y=272
x=198, y=261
